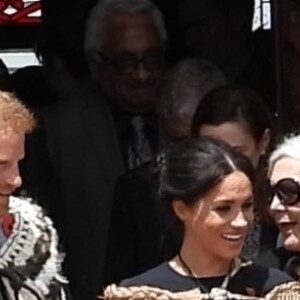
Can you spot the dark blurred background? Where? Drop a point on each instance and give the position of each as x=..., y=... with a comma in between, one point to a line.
x=267, y=60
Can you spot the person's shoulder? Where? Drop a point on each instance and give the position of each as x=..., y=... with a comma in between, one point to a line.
x=33, y=239
x=162, y=276
x=266, y=277
x=142, y=174
x=152, y=277
x=26, y=207
x=275, y=277
x=31, y=217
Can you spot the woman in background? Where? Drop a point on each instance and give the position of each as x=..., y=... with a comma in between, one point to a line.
x=239, y=117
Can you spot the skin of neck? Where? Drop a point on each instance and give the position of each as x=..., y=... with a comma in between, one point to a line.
x=202, y=262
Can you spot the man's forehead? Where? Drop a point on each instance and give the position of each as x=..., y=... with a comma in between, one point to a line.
x=126, y=20
x=11, y=145
x=123, y=30
x=7, y=129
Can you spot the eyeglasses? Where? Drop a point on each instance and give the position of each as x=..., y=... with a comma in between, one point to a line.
x=129, y=65
x=287, y=190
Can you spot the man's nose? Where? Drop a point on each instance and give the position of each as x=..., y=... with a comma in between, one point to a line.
x=141, y=73
x=14, y=178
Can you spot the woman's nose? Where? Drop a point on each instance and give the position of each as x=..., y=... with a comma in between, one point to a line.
x=276, y=204
x=240, y=220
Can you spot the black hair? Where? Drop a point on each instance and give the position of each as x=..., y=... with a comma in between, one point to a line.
x=62, y=36
x=233, y=103
x=192, y=168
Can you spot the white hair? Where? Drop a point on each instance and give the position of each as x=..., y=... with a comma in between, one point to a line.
x=288, y=148
x=105, y=9
x=185, y=86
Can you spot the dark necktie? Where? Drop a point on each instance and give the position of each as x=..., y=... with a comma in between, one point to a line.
x=139, y=151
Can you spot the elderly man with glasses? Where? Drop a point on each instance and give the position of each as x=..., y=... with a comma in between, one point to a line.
x=125, y=43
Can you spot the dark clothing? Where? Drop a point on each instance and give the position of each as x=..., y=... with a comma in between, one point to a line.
x=126, y=130
x=138, y=225
x=268, y=238
x=281, y=259
x=250, y=280
x=30, y=85
x=3, y=294
x=87, y=161
x=219, y=31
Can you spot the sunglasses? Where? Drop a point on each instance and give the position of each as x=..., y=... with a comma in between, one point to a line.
x=287, y=191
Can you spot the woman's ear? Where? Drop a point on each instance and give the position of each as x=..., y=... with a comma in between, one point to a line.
x=180, y=209
x=265, y=141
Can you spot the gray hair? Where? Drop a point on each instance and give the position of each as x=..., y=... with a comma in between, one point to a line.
x=289, y=148
x=104, y=9
x=185, y=86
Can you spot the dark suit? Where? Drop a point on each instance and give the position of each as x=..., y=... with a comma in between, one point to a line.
x=86, y=157
x=139, y=236
x=281, y=259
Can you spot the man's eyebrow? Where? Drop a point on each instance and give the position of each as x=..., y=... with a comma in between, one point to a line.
x=143, y=54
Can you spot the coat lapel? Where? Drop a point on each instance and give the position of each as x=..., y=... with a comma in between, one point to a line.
x=100, y=128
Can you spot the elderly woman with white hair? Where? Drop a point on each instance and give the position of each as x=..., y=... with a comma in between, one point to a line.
x=284, y=205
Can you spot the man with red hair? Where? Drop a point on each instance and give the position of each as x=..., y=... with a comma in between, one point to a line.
x=30, y=264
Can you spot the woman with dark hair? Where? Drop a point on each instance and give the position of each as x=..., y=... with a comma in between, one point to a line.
x=239, y=117
x=206, y=187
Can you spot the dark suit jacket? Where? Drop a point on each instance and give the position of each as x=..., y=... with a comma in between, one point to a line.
x=281, y=259
x=139, y=236
x=86, y=158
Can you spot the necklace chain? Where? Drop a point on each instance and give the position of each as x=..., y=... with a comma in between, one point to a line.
x=195, y=278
